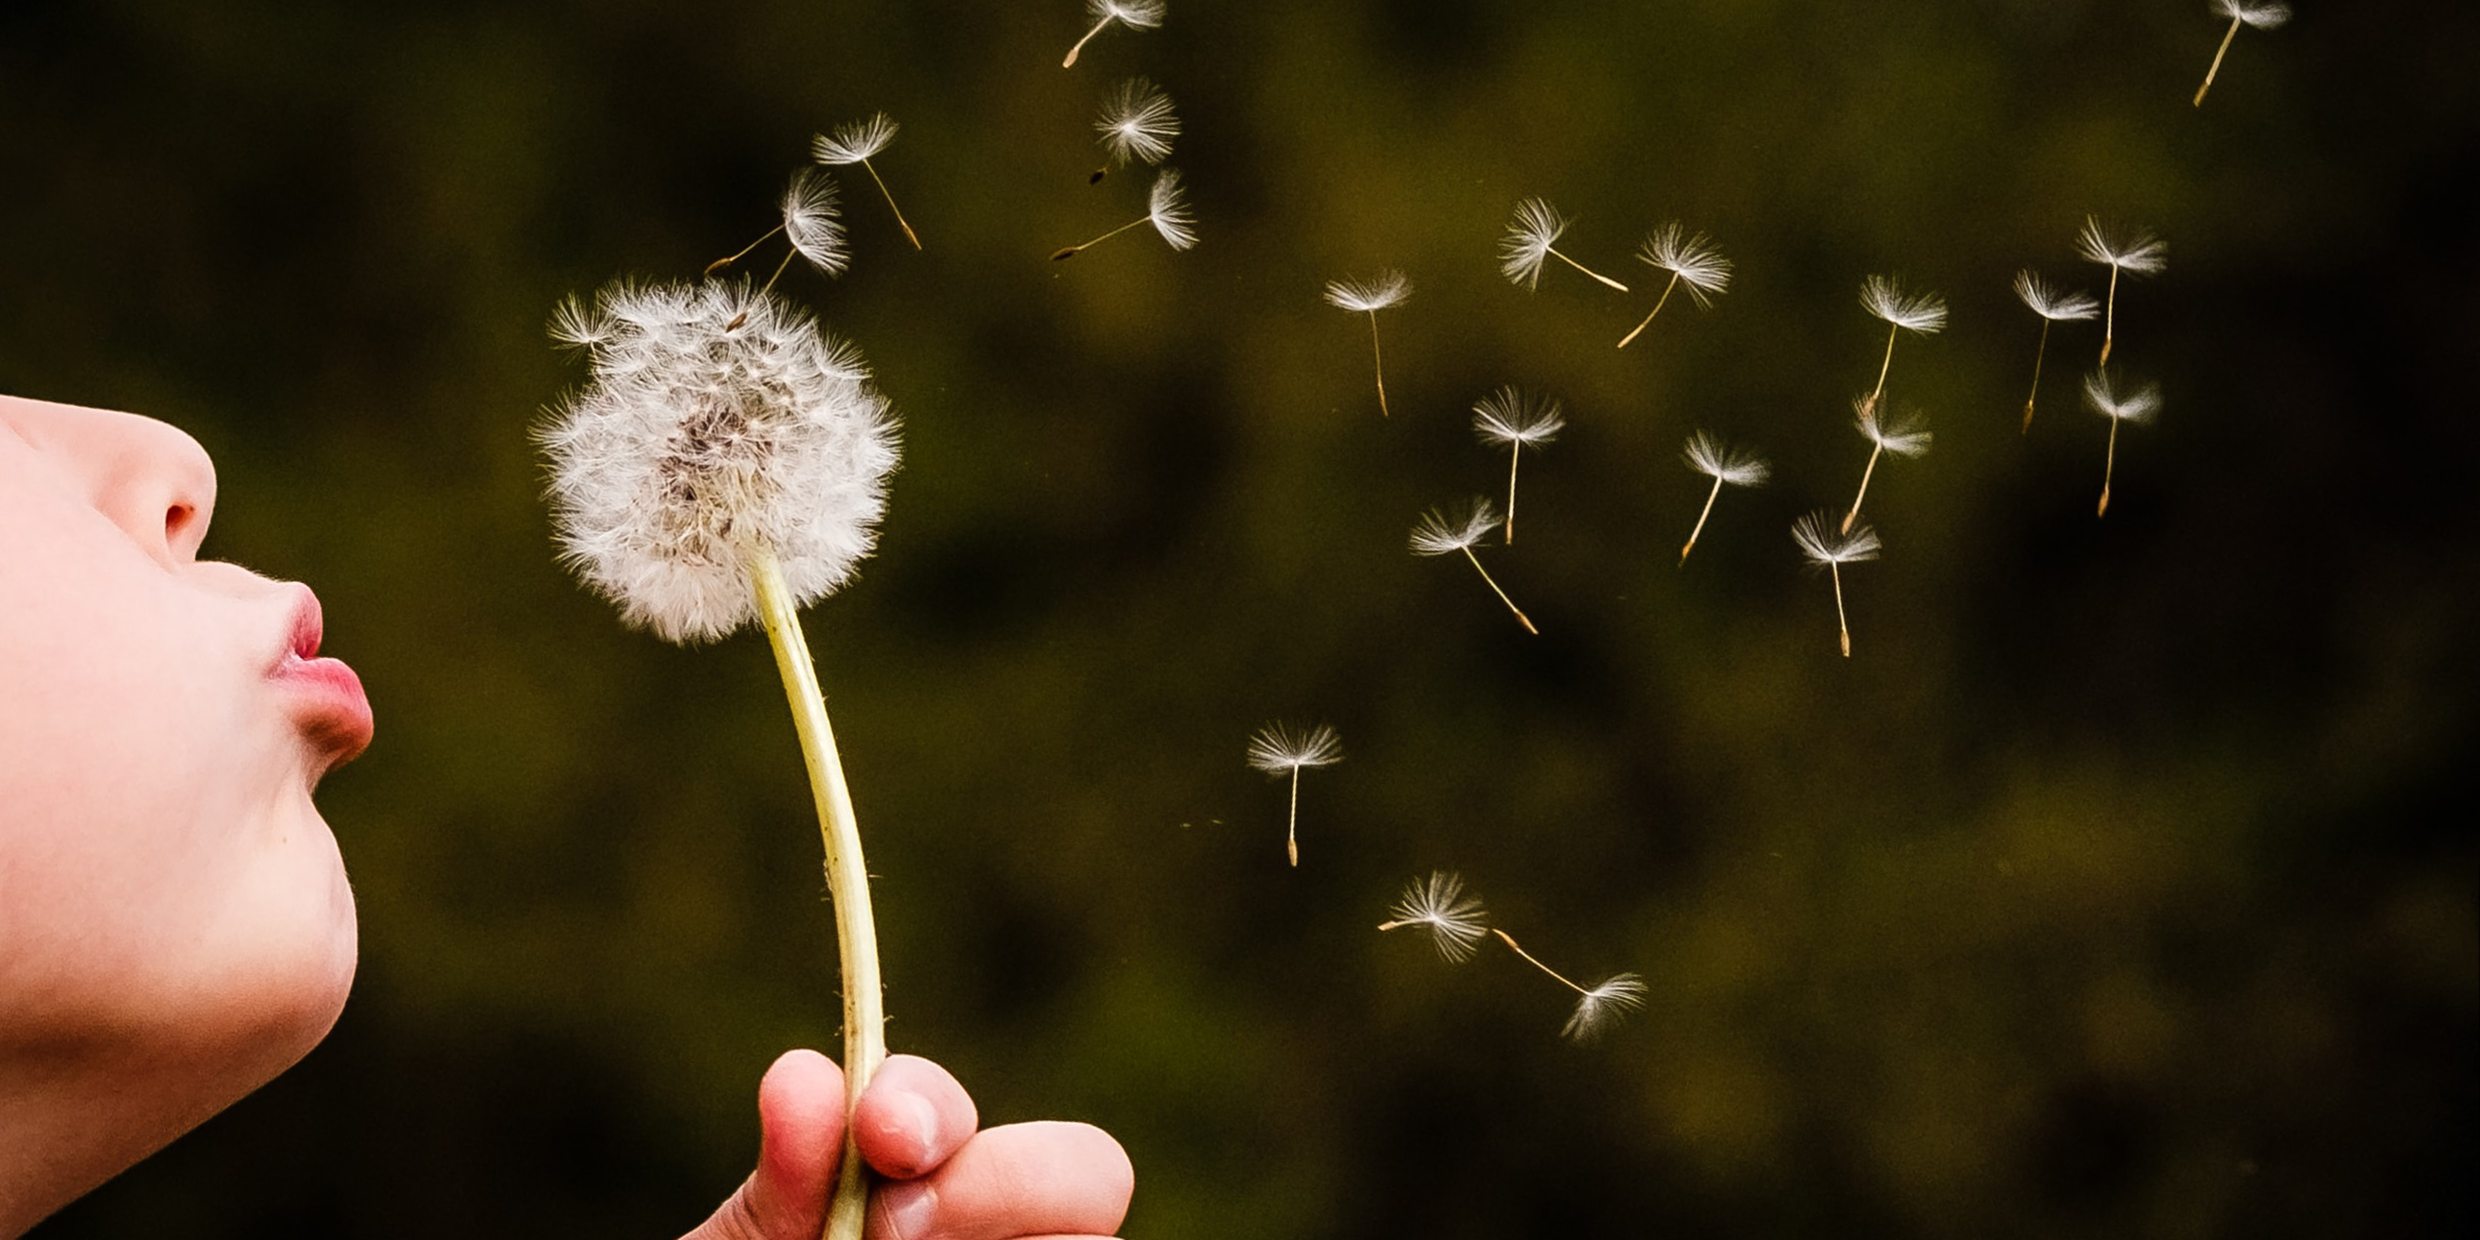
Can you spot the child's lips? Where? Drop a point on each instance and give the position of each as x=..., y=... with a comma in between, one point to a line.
x=324, y=696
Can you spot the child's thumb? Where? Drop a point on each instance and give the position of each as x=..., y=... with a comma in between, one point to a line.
x=801, y=1135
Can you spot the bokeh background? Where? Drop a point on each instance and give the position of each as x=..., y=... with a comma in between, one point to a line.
x=2122, y=884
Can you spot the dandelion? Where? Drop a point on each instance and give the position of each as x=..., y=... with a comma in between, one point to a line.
x=809, y=224
x=1597, y=1005
x=1136, y=123
x=2053, y=306
x=855, y=144
x=1277, y=751
x=2102, y=397
x=1134, y=14
x=1922, y=313
x=1438, y=534
x=2134, y=251
x=1439, y=904
x=1907, y=435
x=727, y=462
x=1511, y=419
x=1708, y=455
x=2260, y=14
x=1692, y=261
x=1830, y=551
x=1529, y=239
x=1166, y=209
x=1389, y=290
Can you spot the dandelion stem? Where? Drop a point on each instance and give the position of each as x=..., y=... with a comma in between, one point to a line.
x=2217, y=62
x=848, y=881
x=2109, y=318
x=721, y=263
x=1865, y=475
x=1379, y=359
x=1535, y=961
x=2037, y=355
x=1588, y=271
x=1882, y=368
x=1521, y=618
x=891, y=204
x=1710, y=497
x=1291, y=836
x=1071, y=251
x=1070, y=62
x=2108, y=467
x=1658, y=303
x=1515, y=453
x=779, y=274
x=1841, y=620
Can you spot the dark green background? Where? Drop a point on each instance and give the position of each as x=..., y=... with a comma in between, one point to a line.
x=2121, y=885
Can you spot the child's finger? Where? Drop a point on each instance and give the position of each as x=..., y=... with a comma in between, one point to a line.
x=801, y=1138
x=912, y=1117
x=1018, y=1180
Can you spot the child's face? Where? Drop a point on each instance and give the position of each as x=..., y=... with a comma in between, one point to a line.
x=165, y=884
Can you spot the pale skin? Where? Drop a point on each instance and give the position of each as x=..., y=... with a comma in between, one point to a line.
x=175, y=924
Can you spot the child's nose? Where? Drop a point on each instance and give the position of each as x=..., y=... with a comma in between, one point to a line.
x=150, y=479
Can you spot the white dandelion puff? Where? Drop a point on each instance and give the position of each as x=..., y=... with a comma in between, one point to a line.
x=1134, y=14
x=1439, y=904
x=1920, y=313
x=856, y=143
x=1389, y=290
x=1905, y=435
x=2055, y=306
x=1691, y=260
x=1827, y=549
x=1166, y=209
x=1709, y=456
x=1279, y=751
x=1515, y=420
x=2101, y=395
x=2135, y=251
x=1597, y=1006
x=1531, y=240
x=1137, y=123
x=2255, y=15
x=1438, y=533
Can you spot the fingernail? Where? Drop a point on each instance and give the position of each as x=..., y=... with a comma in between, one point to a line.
x=917, y=1123
x=907, y=1208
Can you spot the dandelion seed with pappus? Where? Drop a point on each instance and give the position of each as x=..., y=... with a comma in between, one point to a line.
x=1597, y=1006
x=1511, y=419
x=1692, y=261
x=1438, y=904
x=1725, y=465
x=2254, y=14
x=727, y=462
x=1166, y=209
x=1389, y=290
x=1134, y=14
x=1278, y=751
x=2101, y=395
x=855, y=144
x=1529, y=243
x=1907, y=435
x=2131, y=250
x=1437, y=533
x=1825, y=548
x=1920, y=313
x=2054, y=306
x=809, y=224
x=1136, y=123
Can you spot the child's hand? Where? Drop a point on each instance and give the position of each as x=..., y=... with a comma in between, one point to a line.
x=944, y=1180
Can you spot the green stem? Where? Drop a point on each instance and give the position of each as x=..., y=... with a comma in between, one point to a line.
x=848, y=882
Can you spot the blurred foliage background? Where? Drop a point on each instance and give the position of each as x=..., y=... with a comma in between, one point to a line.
x=2122, y=884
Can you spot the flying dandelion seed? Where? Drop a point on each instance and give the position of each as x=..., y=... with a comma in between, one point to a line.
x=1907, y=435
x=1597, y=1006
x=1511, y=419
x=2133, y=251
x=1166, y=209
x=1136, y=123
x=1709, y=456
x=855, y=144
x=2255, y=14
x=1922, y=313
x=1529, y=242
x=1438, y=904
x=1692, y=261
x=1831, y=551
x=809, y=224
x=1388, y=290
x=2054, y=306
x=1279, y=752
x=2102, y=396
x=1134, y=14
x=1438, y=534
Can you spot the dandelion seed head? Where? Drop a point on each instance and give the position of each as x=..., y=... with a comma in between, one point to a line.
x=1694, y=259
x=1883, y=296
x=695, y=440
x=1527, y=244
x=1905, y=434
x=1822, y=544
x=1278, y=750
x=1511, y=418
x=1439, y=904
x=2102, y=396
x=1134, y=14
x=810, y=221
x=2132, y=250
x=1167, y=207
x=2257, y=14
x=2053, y=303
x=1137, y=123
x=1440, y=533
x=1387, y=290
x=855, y=142
x=1600, y=1007
x=1709, y=456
